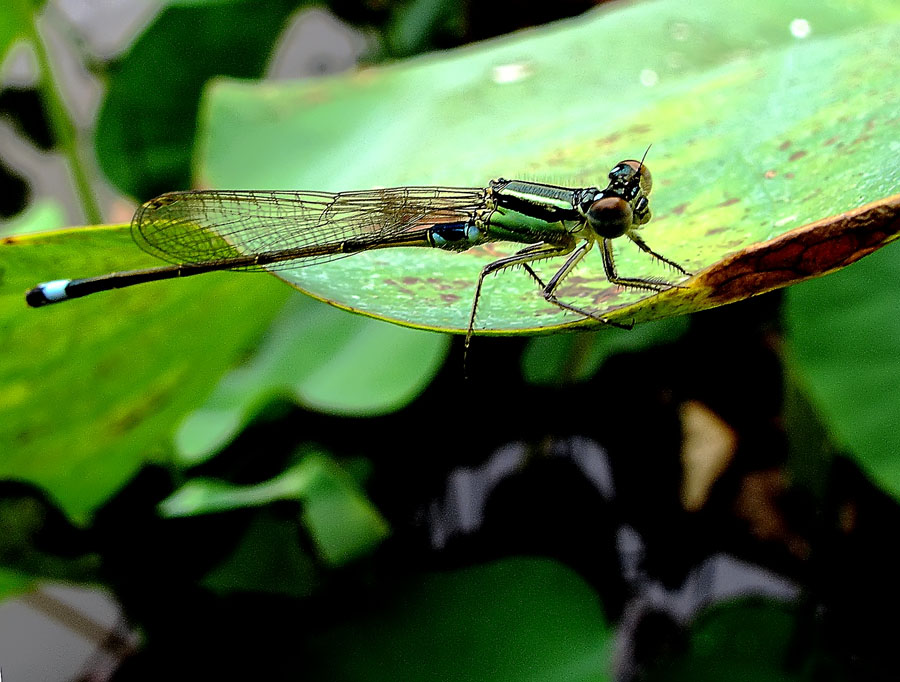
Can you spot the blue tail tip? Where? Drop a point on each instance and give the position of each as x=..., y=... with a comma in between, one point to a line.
x=48, y=292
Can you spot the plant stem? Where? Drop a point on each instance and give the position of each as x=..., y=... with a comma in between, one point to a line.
x=62, y=125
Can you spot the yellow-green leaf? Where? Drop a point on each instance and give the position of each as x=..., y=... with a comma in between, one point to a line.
x=764, y=123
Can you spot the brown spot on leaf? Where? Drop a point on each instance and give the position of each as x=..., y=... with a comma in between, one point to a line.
x=400, y=287
x=128, y=416
x=797, y=155
x=769, y=174
x=678, y=210
x=607, y=295
x=784, y=145
x=729, y=202
x=438, y=284
x=609, y=139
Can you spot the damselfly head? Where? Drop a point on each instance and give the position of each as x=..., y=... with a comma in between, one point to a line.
x=623, y=206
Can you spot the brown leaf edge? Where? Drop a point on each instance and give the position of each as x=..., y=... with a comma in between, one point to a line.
x=800, y=254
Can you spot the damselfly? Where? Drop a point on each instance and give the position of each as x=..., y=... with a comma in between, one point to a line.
x=208, y=230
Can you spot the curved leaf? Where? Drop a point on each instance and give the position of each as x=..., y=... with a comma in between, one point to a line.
x=341, y=521
x=516, y=619
x=322, y=359
x=759, y=126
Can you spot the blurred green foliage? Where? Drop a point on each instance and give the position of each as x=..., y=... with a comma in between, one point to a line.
x=148, y=121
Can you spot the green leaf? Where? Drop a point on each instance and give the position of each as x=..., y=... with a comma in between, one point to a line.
x=146, y=126
x=756, y=131
x=91, y=389
x=844, y=348
x=323, y=359
x=267, y=559
x=516, y=619
x=415, y=24
x=15, y=25
x=748, y=640
x=341, y=521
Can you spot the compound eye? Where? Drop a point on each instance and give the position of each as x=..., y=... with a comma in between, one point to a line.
x=624, y=173
x=610, y=217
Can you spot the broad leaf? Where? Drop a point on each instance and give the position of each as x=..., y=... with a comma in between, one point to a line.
x=760, y=126
x=844, y=348
x=751, y=640
x=516, y=619
x=342, y=523
x=268, y=559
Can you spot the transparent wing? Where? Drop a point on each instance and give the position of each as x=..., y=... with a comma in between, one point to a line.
x=216, y=226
